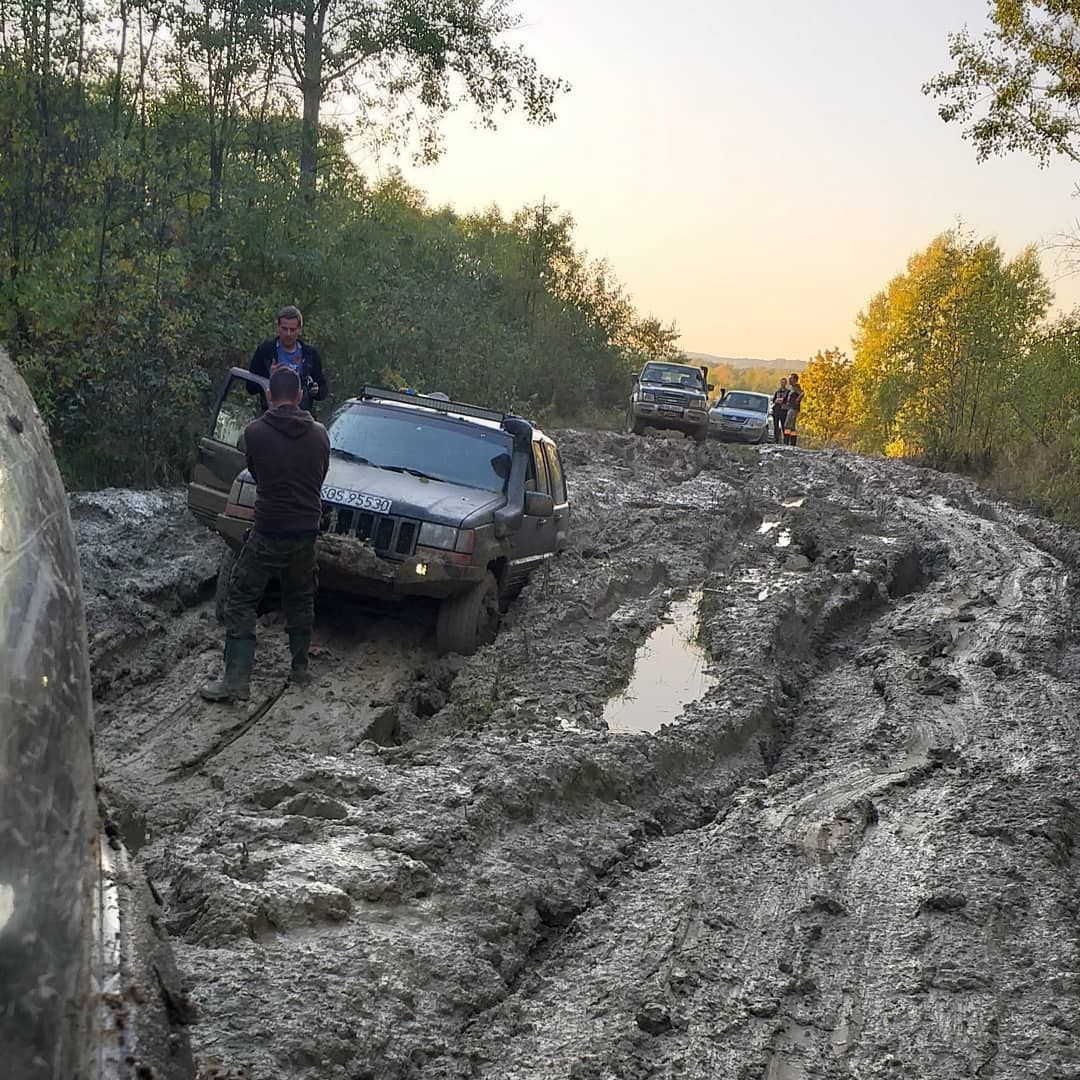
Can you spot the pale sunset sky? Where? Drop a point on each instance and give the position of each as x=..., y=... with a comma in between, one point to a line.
x=754, y=172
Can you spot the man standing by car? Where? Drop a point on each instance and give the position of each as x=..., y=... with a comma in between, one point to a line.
x=290, y=350
x=794, y=404
x=779, y=411
x=288, y=454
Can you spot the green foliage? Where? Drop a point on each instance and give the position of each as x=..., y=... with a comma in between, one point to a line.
x=148, y=238
x=1017, y=86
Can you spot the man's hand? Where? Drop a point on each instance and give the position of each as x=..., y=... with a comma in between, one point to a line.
x=313, y=388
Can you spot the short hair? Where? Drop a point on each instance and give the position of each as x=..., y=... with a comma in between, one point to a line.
x=290, y=311
x=284, y=384
x=794, y=377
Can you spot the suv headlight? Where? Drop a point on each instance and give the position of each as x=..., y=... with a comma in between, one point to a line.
x=438, y=536
x=646, y=396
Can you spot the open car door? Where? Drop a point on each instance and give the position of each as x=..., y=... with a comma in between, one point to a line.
x=219, y=456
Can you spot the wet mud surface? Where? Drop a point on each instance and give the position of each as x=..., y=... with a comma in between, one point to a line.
x=852, y=856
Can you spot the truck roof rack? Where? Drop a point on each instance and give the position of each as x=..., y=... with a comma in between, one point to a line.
x=438, y=404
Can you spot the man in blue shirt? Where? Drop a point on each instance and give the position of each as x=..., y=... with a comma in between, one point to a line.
x=289, y=350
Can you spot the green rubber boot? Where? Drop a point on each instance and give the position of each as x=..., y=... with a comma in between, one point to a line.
x=299, y=643
x=235, y=684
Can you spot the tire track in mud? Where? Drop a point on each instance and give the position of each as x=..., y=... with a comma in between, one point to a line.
x=513, y=891
x=806, y=899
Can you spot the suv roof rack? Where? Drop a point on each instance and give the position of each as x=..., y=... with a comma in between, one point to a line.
x=439, y=404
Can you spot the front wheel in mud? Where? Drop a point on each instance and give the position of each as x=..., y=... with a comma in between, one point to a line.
x=221, y=589
x=468, y=621
x=634, y=427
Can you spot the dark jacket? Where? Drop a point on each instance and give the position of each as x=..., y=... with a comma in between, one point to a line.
x=288, y=454
x=266, y=355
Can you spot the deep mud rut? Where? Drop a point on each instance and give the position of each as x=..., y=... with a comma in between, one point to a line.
x=854, y=856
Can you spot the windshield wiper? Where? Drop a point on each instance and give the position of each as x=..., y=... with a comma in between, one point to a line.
x=411, y=472
x=349, y=455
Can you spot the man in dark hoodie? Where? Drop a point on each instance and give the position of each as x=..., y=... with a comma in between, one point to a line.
x=288, y=454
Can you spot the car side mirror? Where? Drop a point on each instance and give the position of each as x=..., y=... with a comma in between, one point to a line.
x=539, y=504
x=711, y=387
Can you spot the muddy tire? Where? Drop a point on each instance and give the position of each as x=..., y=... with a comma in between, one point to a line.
x=634, y=427
x=468, y=621
x=221, y=589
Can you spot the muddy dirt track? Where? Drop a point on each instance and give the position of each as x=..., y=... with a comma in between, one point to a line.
x=853, y=856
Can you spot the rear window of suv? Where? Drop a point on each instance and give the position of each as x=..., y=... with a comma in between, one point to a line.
x=408, y=440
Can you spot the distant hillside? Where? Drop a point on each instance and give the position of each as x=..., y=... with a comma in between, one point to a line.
x=746, y=361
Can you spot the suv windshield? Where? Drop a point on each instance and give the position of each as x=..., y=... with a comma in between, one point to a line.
x=673, y=375
x=750, y=402
x=412, y=441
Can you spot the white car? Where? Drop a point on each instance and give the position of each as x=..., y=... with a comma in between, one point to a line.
x=741, y=415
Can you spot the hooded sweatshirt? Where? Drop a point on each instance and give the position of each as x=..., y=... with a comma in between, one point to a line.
x=288, y=454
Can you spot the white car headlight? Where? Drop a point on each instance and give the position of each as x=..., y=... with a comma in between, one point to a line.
x=648, y=397
x=437, y=536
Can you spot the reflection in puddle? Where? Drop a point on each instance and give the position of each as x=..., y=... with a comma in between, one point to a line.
x=7, y=904
x=791, y=503
x=767, y=526
x=784, y=539
x=669, y=673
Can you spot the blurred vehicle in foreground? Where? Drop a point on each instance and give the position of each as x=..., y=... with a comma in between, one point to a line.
x=87, y=986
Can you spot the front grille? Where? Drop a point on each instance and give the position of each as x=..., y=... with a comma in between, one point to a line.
x=389, y=535
x=681, y=400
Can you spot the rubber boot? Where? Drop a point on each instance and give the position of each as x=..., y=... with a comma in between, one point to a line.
x=235, y=684
x=299, y=642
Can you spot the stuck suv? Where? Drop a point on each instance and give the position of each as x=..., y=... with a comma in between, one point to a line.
x=673, y=396
x=425, y=497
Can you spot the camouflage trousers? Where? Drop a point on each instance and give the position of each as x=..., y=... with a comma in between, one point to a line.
x=261, y=560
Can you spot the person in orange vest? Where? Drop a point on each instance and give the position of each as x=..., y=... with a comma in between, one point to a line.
x=794, y=404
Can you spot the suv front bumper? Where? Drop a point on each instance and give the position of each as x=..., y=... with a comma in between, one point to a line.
x=352, y=566
x=670, y=416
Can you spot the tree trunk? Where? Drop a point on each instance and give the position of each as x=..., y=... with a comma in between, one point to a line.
x=311, y=88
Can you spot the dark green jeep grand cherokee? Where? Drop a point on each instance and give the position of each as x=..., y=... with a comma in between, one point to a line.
x=424, y=497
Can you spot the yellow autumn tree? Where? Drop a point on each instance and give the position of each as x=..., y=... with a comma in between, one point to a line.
x=827, y=408
x=939, y=351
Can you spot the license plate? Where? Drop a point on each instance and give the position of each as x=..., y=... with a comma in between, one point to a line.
x=375, y=503
x=670, y=409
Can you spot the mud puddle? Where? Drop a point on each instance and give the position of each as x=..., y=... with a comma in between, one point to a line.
x=670, y=672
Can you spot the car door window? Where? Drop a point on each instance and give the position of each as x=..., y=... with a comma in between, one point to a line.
x=540, y=469
x=238, y=407
x=558, y=480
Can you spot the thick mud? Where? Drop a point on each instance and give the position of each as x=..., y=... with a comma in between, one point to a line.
x=854, y=855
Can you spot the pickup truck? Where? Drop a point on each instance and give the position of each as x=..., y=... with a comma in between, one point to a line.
x=670, y=396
